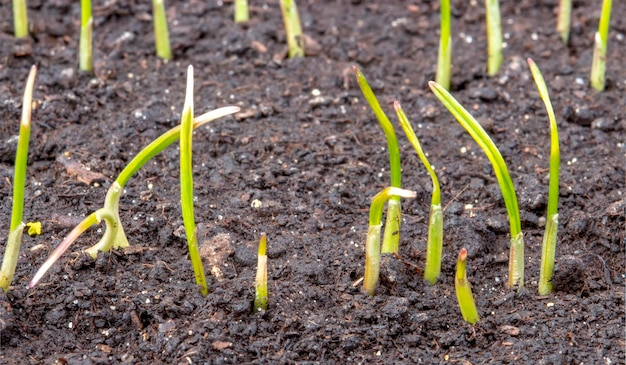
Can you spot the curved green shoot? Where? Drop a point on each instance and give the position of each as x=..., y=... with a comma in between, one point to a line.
x=20, y=18
x=241, y=11
x=516, y=257
x=598, y=66
x=114, y=236
x=161, y=35
x=548, y=249
x=85, y=59
x=464, y=290
x=186, y=184
x=434, y=248
x=444, y=60
x=11, y=252
x=372, y=243
x=564, y=19
x=260, y=283
x=293, y=29
x=494, y=36
x=391, y=239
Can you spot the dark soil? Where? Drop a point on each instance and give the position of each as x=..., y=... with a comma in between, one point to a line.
x=306, y=146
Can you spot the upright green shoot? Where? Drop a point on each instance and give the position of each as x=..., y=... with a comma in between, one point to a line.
x=434, y=248
x=598, y=66
x=464, y=290
x=260, y=283
x=516, y=257
x=444, y=61
x=293, y=29
x=372, y=243
x=494, y=36
x=241, y=11
x=391, y=237
x=9, y=261
x=548, y=249
x=564, y=19
x=161, y=35
x=85, y=59
x=20, y=18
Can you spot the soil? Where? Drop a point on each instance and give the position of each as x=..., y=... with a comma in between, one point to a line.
x=310, y=151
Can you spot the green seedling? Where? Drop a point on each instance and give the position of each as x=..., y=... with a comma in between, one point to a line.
x=598, y=66
x=516, y=257
x=85, y=59
x=434, y=247
x=464, y=290
x=260, y=283
x=12, y=250
x=114, y=236
x=548, y=249
x=372, y=243
x=186, y=184
x=161, y=35
x=242, y=14
x=494, y=36
x=444, y=61
x=293, y=29
x=20, y=18
x=564, y=19
x=391, y=239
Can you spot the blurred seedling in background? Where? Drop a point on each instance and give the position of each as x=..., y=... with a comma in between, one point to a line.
x=391, y=238
x=161, y=34
x=564, y=19
x=260, y=282
x=444, y=60
x=516, y=257
x=85, y=58
x=494, y=36
x=464, y=290
x=293, y=28
x=20, y=18
x=242, y=13
x=434, y=247
x=598, y=67
x=12, y=249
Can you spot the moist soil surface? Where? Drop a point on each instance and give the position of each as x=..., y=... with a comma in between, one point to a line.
x=302, y=161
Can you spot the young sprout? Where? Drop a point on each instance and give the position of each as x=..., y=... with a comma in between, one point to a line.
x=114, y=236
x=293, y=29
x=564, y=19
x=85, y=61
x=444, y=60
x=161, y=35
x=464, y=290
x=434, y=247
x=516, y=256
x=20, y=18
x=549, y=237
x=241, y=11
x=260, y=284
x=186, y=184
x=11, y=252
x=372, y=244
x=599, y=51
x=494, y=36
x=391, y=237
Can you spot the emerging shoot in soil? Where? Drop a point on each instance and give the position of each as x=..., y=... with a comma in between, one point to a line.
x=186, y=184
x=372, y=243
x=434, y=247
x=552, y=221
x=293, y=29
x=12, y=250
x=564, y=19
x=391, y=237
x=598, y=66
x=516, y=257
x=241, y=11
x=20, y=18
x=444, y=61
x=494, y=36
x=114, y=236
x=161, y=35
x=260, y=284
x=85, y=60
x=464, y=290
